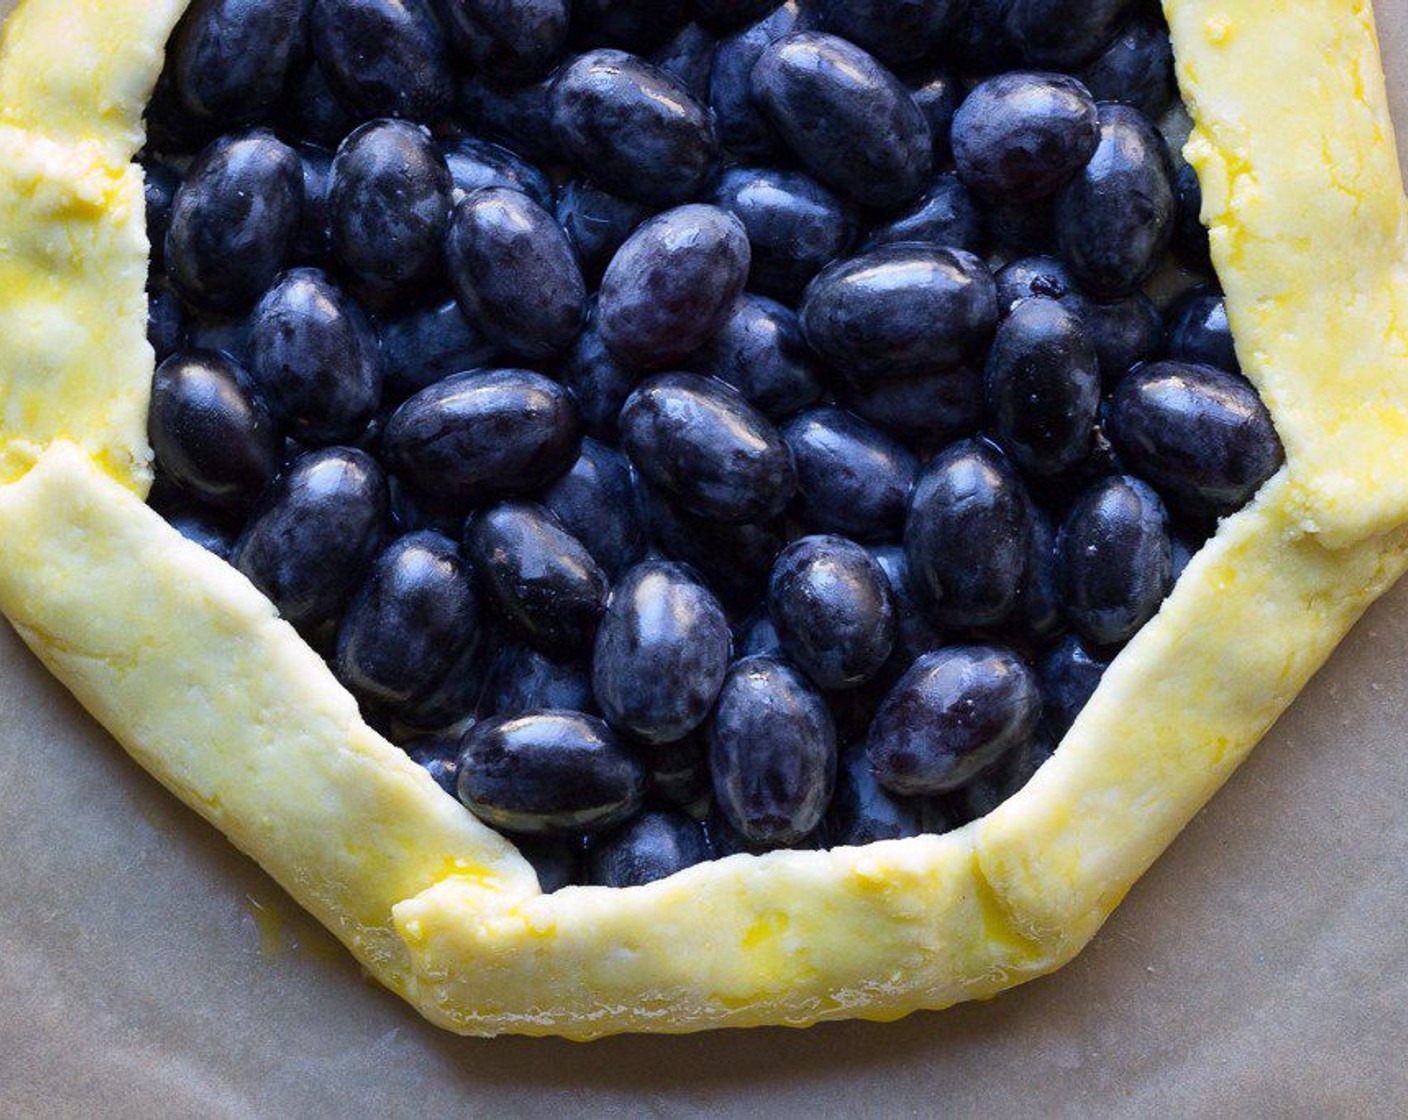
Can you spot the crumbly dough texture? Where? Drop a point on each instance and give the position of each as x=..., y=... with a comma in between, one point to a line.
x=194, y=673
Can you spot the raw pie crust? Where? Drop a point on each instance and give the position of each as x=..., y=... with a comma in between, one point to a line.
x=193, y=672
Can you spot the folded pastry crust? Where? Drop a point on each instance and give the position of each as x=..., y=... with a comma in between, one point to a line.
x=193, y=672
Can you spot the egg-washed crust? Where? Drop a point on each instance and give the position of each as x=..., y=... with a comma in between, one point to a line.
x=194, y=673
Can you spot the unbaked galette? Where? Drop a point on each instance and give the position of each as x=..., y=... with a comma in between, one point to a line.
x=664, y=514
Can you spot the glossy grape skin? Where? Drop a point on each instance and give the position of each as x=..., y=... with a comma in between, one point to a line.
x=515, y=274
x=701, y=443
x=862, y=811
x=478, y=436
x=900, y=311
x=945, y=215
x=1199, y=332
x=848, y=119
x=634, y=128
x=439, y=755
x=671, y=286
x=160, y=182
x=416, y=616
x=795, y=226
x=1065, y=34
x=1069, y=673
x=1043, y=387
x=735, y=559
x=1020, y=136
x=743, y=129
x=427, y=345
x=521, y=680
x=653, y=846
x=211, y=432
x=597, y=223
x=389, y=205
x=316, y=531
x=1201, y=435
x=315, y=358
x=851, y=478
x=661, y=653
x=1116, y=563
x=772, y=753
x=507, y=40
x=955, y=713
x=549, y=774
x=542, y=581
x=967, y=538
x=595, y=501
x=599, y=383
x=452, y=703
x=166, y=325
x=1115, y=219
x=231, y=59
x=833, y=609
x=897, y=34
x=926, y=412
x=1135, y=69
x=476, y=164
x=233, y=220
x=760, y=351
x=384, y=58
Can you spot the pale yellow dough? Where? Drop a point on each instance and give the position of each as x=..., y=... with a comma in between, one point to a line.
x=193, y=672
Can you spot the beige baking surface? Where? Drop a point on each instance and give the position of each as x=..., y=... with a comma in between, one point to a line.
x=148, y=970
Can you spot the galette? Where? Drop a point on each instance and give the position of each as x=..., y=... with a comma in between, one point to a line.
x=649, y=515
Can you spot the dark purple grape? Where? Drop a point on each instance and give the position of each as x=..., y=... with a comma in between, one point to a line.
x=211, y=432
x=316, y=531
x=701, y=443
x=661, y=653
x=476, y=437
x=671, y=286
x=549, y=774
x=1116, y=562
x=848, y=119
x=772, y=753
x=955, y=713
x=833, y=609
x=542, y=581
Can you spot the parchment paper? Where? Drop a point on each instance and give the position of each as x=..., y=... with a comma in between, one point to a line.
x=1260, y=969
